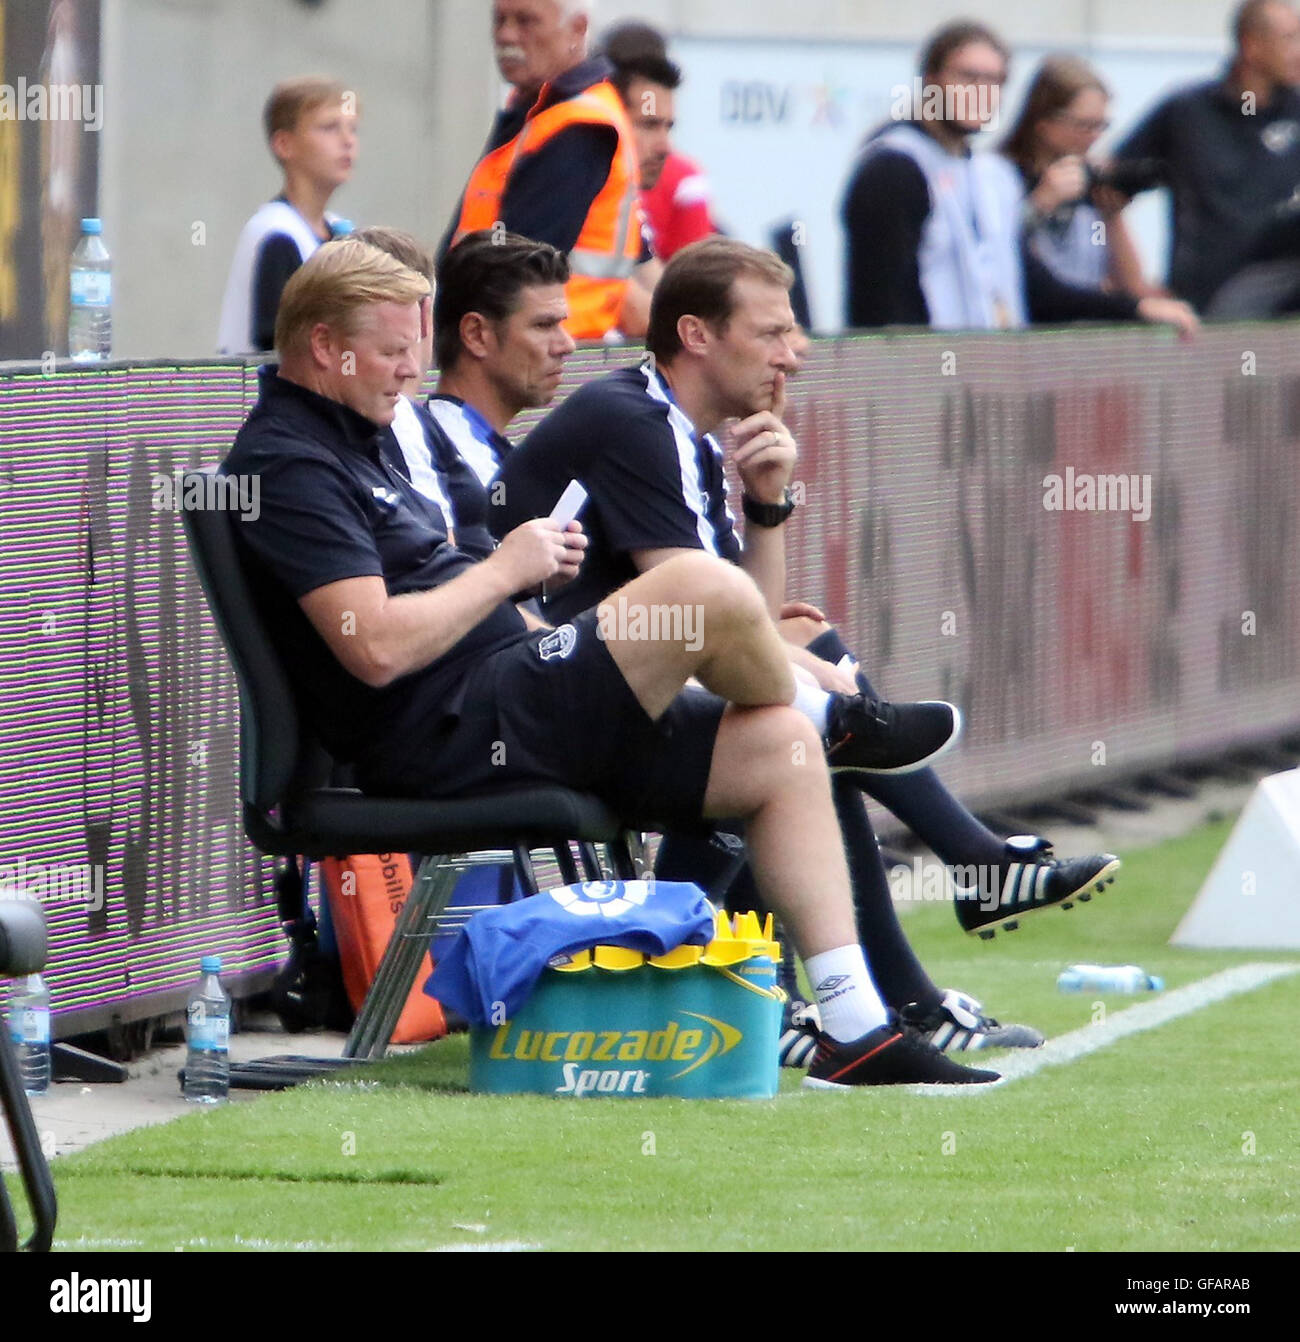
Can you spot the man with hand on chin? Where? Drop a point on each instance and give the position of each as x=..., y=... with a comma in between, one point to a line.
x=647, y=443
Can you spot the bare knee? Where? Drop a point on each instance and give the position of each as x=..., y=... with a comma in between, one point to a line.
x=765, y=755
x=727, y=594
x=785, y=745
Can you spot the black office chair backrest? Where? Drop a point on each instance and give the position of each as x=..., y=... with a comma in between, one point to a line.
x=277, y=758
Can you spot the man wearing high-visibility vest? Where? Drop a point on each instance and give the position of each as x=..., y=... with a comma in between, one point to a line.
x=560, y=166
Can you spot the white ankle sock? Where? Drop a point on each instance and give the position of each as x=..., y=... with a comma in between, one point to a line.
x=847, y=999
x=815, y=704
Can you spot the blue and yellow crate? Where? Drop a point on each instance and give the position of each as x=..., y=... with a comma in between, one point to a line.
x=699, y=1022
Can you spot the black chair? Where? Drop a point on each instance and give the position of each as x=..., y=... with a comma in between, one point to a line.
x=22, y=951
x=290, y=809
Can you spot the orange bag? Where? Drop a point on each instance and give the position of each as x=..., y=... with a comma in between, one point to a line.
x=367, y=893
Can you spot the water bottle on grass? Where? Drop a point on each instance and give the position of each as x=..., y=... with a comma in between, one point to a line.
x=207, y=1034
x=1108, y=979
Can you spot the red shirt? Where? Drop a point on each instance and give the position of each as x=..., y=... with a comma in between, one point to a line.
x=677, y=207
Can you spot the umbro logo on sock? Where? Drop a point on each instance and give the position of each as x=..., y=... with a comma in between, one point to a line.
x=829, y=984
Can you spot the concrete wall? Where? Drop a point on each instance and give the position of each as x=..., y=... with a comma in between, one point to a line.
x=186, y=79
x=185, y=161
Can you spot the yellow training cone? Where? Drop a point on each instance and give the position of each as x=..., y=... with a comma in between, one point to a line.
x=725, y=952
x=617, y=958
x=680, y=957
x=747, y=928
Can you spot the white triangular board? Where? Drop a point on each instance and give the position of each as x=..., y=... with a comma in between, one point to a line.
x=1251, y=898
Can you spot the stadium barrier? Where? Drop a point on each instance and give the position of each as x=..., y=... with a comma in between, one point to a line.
x=949, y=524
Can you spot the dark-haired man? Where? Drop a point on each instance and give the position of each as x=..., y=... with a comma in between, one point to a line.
x=411, y=662
x=500, y=340
x=1229, y=152
x=674, y=188
x=642, y=443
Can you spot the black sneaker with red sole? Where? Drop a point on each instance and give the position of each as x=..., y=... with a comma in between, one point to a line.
x=888, y=1056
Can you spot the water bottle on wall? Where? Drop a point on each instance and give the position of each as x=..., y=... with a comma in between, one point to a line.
x=207, y=1034
x=1108, y=979
x=29, y=1028
x=90, y=314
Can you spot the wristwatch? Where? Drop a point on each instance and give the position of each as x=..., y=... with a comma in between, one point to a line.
x=768, y=514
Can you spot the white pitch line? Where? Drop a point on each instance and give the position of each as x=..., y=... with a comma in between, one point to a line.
x=1146, y=1016
x=489, y=1246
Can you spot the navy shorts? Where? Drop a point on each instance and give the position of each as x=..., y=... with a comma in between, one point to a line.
x=555, y=708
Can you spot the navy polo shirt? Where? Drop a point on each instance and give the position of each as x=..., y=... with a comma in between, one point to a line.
x=1227, y=172
x=652, y=482
x=334, y=503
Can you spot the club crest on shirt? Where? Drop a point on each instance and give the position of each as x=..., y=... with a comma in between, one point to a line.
x=609, y=899
x=558, y=644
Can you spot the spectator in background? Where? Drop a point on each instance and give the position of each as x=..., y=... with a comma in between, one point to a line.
x=674, y=189
x=311, y=127
x=934, y=231
x=1229, y=151
x=1073, y=223
x=560, y=165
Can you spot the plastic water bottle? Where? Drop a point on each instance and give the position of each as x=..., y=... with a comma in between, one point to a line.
x=1108, y=979
x=207, y=1033
x=29, y=1028
x=90, y=316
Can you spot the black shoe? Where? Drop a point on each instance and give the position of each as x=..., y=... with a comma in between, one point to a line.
x=1029, y=878
x=887, y=1056
x=874, y=737
x=958, y=1023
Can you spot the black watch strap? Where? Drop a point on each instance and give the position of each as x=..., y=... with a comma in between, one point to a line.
x=768, y=514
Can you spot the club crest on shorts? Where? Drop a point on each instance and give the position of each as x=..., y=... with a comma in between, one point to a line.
x=558, y=644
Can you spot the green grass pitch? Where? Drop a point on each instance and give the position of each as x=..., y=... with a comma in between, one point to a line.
x=1184, y=1137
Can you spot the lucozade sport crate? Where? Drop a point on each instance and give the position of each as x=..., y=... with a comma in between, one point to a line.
x=701, y=1022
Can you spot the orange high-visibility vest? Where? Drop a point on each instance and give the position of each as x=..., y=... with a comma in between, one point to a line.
x=609, y=246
